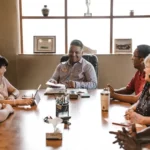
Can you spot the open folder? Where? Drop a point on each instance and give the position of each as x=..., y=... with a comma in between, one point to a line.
x=50, y=90
x=55, y=88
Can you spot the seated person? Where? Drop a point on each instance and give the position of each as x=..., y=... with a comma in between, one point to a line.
x=140, y=111
x=137, y=83
x=76, y=72
x=8, y=93
x=5, y=111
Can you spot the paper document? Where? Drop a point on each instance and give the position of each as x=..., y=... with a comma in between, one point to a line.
x=53, y=85
x=50, y=90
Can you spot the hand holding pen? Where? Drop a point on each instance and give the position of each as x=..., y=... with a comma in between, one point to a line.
x=128, y=113
x=134, y=117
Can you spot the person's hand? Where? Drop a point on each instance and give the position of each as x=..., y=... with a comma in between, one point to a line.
x=125, y=140
x=1, y=97
x=127, y=113
x=8, y=107
x=111, y=89
x=136, y=118
x=132, y=130
x=53, y=81
x=26, y=101
x=71, y=84
x=1, y=106
x=11, y=97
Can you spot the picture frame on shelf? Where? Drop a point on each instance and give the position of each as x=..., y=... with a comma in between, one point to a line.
x=123, y=46
x=44, y=44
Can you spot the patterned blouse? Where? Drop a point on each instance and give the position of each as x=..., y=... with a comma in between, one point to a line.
x=143, y=106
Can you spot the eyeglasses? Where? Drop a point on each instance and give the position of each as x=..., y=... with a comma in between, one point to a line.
x=136, y=56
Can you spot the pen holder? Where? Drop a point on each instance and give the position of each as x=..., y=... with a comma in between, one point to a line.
x=62, y=107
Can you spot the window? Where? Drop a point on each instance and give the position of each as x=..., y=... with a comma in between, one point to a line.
x=110, y=20
x=136, y=29
x=123, y=7
x=94, y=34
x=38, y=27
x=97, y=7
x=33, y=7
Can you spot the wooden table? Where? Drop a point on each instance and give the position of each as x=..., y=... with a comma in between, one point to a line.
x=89, y=130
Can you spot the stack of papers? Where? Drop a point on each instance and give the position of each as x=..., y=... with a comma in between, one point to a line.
x=53, y=85
x=55, y=88
x=50, y=90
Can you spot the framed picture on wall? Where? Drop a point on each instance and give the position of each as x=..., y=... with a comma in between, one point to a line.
x=44, y=44
x=123, y=46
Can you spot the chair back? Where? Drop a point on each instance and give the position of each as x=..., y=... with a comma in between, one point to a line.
x=90, y=58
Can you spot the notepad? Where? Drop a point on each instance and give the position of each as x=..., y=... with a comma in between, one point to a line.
x=53, y=85
x=50, y=90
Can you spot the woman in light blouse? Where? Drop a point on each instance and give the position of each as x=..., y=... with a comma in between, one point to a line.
x=8, y=93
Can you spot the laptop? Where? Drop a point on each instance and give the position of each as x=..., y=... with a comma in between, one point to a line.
x=36, y=96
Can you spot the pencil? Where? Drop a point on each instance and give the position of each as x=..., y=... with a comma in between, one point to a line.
x=121, y=124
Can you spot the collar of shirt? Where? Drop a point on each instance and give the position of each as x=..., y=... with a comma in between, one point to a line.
x=142, y=74
x=80, y=61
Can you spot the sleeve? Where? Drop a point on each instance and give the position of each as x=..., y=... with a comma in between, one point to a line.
x=130, y=85
x=91, y=78
x=4, y=113
x=11, y=89
x=56, y=74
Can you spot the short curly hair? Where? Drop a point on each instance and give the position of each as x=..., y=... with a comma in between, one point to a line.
x=143, y=50
x=77, y=43
x=3, y=61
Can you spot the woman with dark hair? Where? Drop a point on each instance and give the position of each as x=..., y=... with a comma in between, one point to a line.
x=8, y=93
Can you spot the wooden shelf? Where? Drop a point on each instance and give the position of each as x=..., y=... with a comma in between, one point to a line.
x=83, y=17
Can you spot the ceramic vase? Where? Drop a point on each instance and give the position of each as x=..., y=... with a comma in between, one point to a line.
x=45, y=11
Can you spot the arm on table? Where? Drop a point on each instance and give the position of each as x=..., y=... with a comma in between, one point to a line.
x=5, y=112
x=91, y=78
x=27, y=101
x=123, y=90
x=123, y=98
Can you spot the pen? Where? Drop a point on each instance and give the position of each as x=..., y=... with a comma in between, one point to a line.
x=121, y=124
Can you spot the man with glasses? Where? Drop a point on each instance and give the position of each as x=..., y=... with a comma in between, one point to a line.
x=76, y=72
x=137, y=82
